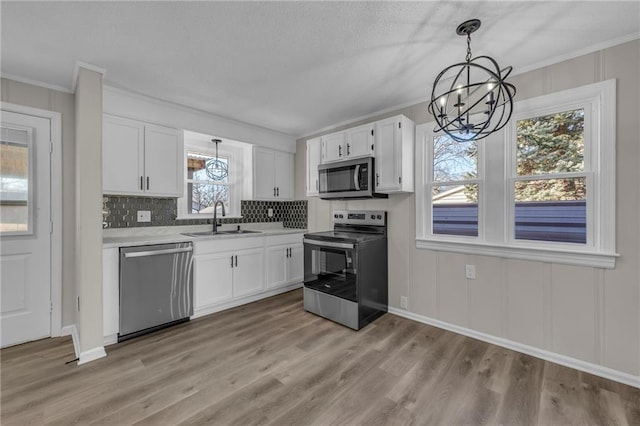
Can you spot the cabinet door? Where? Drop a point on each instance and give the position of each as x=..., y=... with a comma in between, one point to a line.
x=248, y=272
x=264, y=187
x=122, y=156
x=314, y=153
x=284, y=175
x=360, y=141
x=296, y=264
x=333, y=148
x=277, y=262
x=213, y=279
x=164, y=163
x=388, y=157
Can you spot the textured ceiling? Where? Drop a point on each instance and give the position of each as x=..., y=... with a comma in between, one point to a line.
x=294, y=67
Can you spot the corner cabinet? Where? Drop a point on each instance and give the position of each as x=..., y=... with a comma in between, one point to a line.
x=272, y=175
x=394, y=155
x=141, y=159
x=314, y=157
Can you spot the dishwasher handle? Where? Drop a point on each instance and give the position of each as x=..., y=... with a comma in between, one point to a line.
x=157, y=252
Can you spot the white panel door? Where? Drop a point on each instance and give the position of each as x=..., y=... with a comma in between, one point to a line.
x=264, y=186
x=284, y=175
x=122, y=156
x=248, y=272
x=276, y=266
x=163, y=153
x=387, y=161
x=25, y=239
x=360, y=141
x=314, y=155
x=296, y=264
x=213, y=279
x=333, y=147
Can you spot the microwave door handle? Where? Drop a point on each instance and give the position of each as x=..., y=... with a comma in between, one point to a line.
x=356, y=177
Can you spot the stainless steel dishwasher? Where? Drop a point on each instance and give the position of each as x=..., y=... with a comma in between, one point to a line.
x=156, y=287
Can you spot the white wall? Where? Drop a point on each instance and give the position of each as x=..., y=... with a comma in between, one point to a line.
x=64, y=103
x=587, y=314
x=126, y=104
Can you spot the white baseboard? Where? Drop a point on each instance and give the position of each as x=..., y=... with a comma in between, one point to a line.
x=595, y=369
x=210, y=309
x=71, y=330
x=110, y=339
x=91, y=355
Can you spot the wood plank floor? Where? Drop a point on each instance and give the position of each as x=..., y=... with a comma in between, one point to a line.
x=270, y=362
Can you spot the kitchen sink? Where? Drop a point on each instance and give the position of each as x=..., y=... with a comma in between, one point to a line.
x=212, y=234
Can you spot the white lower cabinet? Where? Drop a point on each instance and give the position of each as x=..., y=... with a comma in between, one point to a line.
x=226, y=272
x=285, y=260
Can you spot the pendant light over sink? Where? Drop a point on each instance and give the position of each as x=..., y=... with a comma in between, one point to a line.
x=471, y=100
x=217, y=170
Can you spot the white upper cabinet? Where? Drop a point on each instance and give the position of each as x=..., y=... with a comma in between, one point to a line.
x=333, y=147
x=360, y=141
x=314, y=157
x=351, y=143
x=272, y=174
x=141, y=159
x=394, y=140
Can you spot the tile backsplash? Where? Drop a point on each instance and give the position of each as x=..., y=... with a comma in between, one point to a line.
x=121, y=212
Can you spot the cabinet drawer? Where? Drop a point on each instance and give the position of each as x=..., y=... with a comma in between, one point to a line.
x=215, y=245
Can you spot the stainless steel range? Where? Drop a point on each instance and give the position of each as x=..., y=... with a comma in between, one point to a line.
x=345, y=270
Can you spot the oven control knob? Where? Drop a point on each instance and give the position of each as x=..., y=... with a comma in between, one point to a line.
x=341, y=216
x=373, y=216
x=335, y=216
x=379, y=216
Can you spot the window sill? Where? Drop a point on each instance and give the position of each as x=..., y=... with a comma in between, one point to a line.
x=522, y=252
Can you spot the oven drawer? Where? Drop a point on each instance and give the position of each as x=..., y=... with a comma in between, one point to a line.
x=334, y=308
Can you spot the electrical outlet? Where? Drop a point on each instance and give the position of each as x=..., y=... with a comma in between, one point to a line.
x=403, y=302
x=270, y=212
x=470, y=271
x=144, y=216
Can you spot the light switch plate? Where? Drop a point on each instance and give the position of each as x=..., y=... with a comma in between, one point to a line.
x=470, y=271
x=144, y=216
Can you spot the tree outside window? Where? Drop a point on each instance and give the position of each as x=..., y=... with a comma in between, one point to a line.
x=207, y=182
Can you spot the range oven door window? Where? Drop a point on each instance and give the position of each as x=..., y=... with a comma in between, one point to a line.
x=331, y=270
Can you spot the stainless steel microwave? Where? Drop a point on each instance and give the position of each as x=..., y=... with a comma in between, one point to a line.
x=348, y=179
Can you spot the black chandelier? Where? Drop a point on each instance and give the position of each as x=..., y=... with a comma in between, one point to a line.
x=471, y=100
x=217, y=169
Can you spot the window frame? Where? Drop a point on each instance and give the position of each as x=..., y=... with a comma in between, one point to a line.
x=496, y=234
x=234, y=187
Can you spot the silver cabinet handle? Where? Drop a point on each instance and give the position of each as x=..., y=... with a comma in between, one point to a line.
x=236, y=260
x=157, y=252
x=377, y=179
x=274, y=191
x=147, y=183
x=141, y=183
x=232, y=261
x=278, y=191
x=339, y=150
x=348, y=149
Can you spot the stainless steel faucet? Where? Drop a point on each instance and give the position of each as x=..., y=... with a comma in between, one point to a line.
x=215, y=215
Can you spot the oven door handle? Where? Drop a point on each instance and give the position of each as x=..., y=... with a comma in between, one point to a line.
x=327, y=244
x=356, y=177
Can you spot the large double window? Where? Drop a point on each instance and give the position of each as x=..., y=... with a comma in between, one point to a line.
x=543, y=188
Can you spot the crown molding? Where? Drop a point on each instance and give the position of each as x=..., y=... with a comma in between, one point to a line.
x=25, y=80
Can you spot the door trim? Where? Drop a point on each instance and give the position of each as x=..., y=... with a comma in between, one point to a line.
x=55, y=120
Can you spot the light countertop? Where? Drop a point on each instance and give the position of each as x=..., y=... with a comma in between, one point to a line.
x=140, y=236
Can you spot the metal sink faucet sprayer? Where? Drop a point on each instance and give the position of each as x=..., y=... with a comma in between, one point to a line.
x=215, y=215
